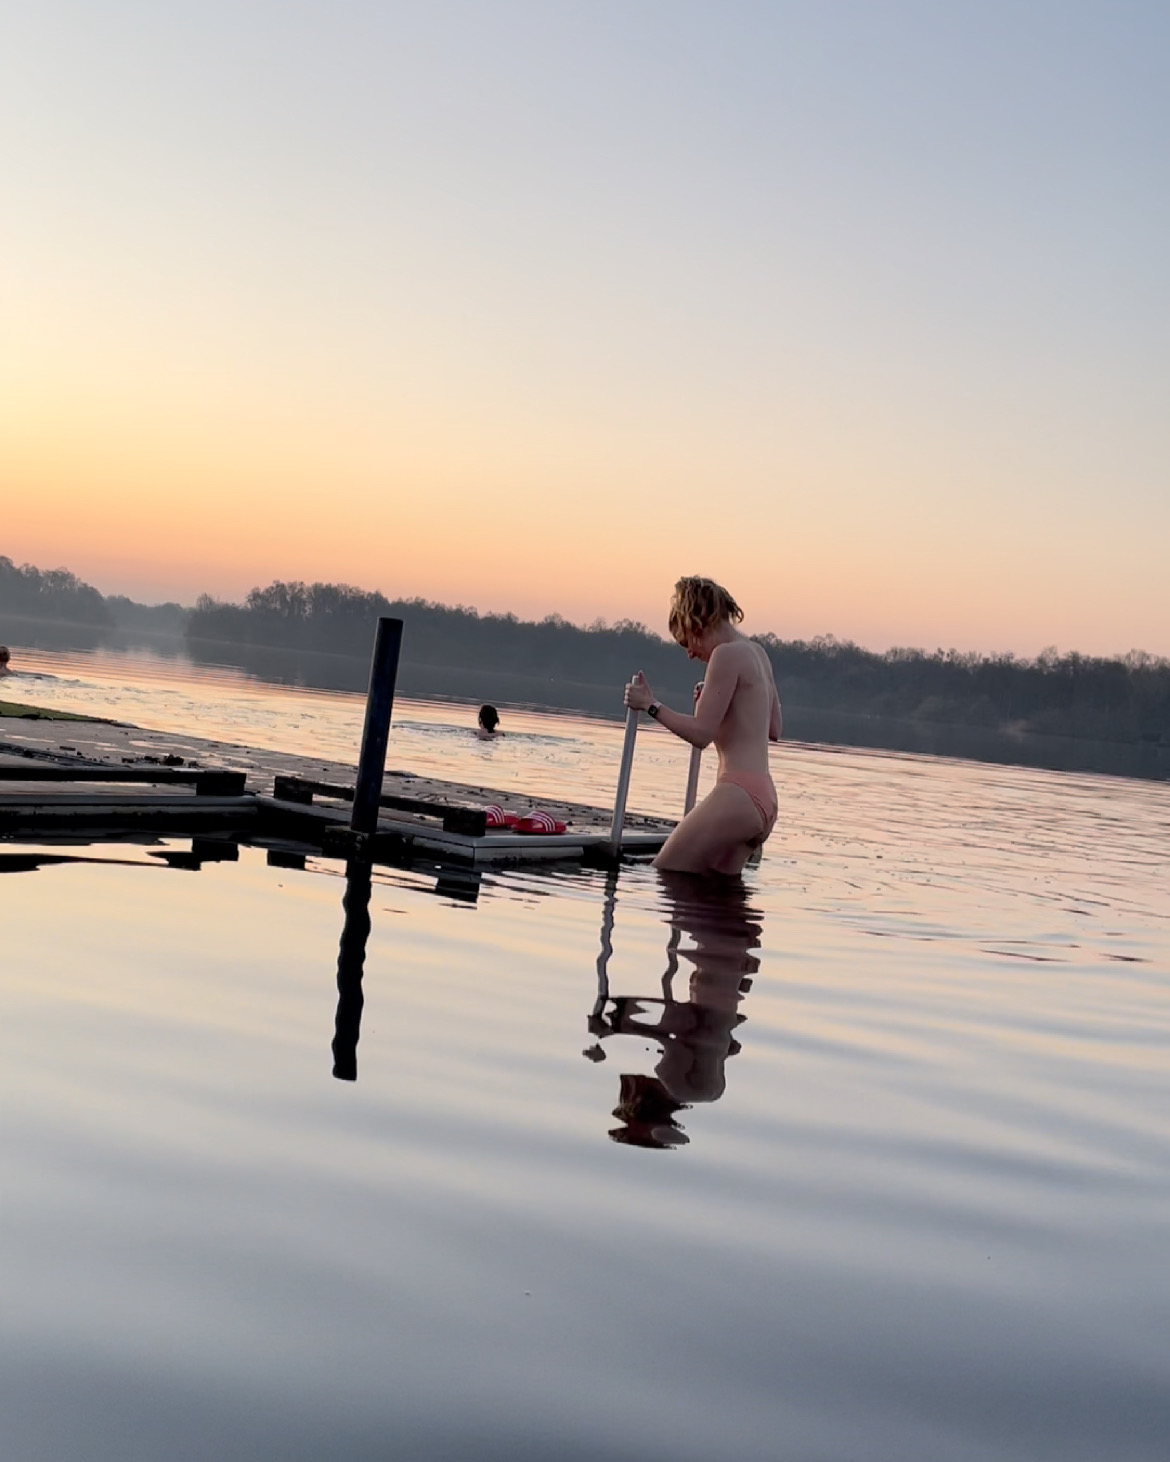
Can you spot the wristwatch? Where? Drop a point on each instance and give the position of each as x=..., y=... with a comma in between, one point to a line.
x=653, y=708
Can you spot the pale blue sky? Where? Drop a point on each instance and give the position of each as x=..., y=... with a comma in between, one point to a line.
x=861, y=307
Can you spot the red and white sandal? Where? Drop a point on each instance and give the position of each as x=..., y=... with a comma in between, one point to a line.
x=540, y=822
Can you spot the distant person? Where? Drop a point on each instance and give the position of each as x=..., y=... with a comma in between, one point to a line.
x=489, y=720
x=739, y=711
x=4, y=658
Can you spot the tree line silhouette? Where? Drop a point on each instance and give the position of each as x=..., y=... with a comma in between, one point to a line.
x=50, y=594
x=550, y=661
x=339, y=619
x=1123, y=698
x=1126, y=699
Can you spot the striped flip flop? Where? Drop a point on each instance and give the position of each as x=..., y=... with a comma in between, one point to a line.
x=540, y=822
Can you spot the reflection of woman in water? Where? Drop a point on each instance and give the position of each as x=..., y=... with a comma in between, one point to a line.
x=739, y=711
x=489, y=719
x=695, y=1034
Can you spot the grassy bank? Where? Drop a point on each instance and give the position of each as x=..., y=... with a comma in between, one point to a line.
x=20, y=712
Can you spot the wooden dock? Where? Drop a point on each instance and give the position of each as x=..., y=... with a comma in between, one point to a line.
x=42, y=799
x=363, y=819
x=453, y=832
x=38, y=797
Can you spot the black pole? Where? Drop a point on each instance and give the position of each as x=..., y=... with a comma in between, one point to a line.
x=379, y=704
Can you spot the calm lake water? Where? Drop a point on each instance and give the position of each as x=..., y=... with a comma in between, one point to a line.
x=868, y=1159
x=548, y=755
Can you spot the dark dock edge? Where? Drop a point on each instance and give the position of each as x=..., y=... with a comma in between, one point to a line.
x=219, y=802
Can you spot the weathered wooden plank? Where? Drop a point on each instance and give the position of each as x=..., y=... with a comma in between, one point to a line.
x=329, y=829
x=470, y=821
x=160, y=814
x=210, y=782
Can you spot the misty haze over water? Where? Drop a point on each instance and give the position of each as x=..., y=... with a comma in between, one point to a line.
x=171, y=660
x=1068, y=712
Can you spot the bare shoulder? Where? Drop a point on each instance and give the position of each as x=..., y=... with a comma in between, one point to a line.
x=732, y=659
x=743, y=657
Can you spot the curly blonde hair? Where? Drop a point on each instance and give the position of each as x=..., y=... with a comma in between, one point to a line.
x=697, y=604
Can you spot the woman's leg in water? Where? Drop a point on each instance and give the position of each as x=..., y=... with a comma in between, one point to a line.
x=716, y=837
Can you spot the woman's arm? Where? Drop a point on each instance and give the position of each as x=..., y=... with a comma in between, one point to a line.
x=699, y=729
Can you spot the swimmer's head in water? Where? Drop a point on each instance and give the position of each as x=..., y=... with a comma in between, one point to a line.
x=489, y=717
x=699, y=605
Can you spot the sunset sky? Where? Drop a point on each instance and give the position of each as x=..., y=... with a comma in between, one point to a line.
x=862, y=308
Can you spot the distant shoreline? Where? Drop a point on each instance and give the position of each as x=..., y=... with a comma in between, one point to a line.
x=1146, y=761
x=1068, y=711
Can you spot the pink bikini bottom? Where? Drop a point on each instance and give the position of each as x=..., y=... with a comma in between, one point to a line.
x=758, y=786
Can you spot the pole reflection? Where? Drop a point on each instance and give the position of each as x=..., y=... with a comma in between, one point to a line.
x=351, y=959
x=695, y=1033
x=454, y=883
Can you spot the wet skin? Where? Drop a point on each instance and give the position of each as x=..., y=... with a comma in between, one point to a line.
x=739, y=711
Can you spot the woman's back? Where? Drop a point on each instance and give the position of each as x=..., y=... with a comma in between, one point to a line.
x=742, y=738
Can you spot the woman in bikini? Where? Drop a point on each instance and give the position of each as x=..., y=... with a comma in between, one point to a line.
x=738, y=709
